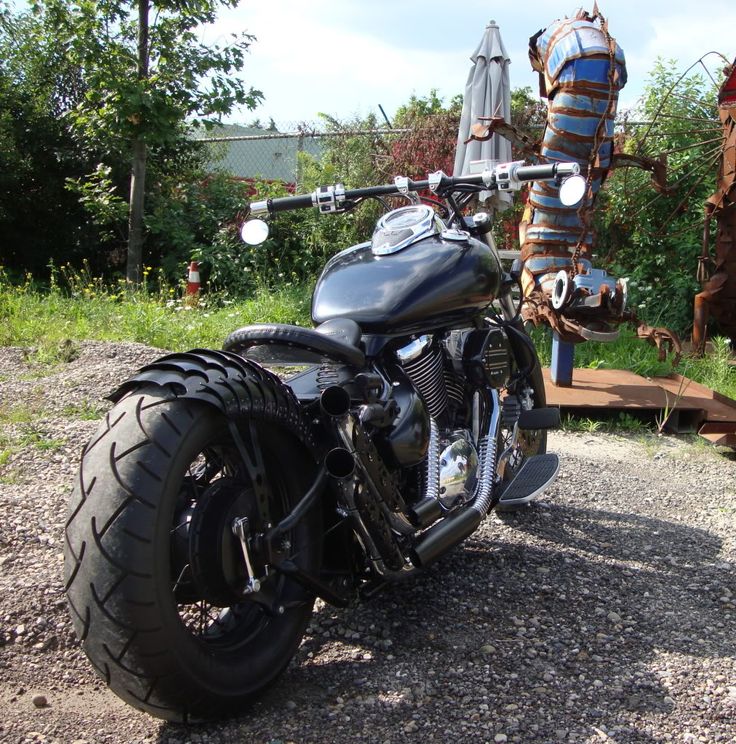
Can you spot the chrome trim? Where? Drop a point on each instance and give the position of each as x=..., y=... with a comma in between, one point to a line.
x=458, y=470
x=402, y=227
x=432, y=489
x=414, y=349
x=459, y=236
x=484, y=491
x=435, y=179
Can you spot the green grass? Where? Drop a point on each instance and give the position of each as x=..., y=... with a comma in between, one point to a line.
x=78, y=307
x=618, y=422
x=86, y=411
x=52, y=322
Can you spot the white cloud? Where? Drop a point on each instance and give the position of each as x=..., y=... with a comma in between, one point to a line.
x=348, y=57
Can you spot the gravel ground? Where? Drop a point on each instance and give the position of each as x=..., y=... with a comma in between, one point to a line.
x=604, y=613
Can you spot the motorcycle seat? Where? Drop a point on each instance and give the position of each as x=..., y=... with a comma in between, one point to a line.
x=337, y=339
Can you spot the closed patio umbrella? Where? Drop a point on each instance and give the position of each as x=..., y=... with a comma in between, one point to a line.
x=487, y=93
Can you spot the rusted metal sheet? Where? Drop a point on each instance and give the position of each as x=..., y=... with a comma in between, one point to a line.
x=692, y=407
x=718, y=274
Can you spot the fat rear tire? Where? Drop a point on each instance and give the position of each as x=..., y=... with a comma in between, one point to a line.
x=160, y=651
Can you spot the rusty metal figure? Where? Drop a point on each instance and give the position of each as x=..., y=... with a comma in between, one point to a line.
x=718, y=276
x=581, y=70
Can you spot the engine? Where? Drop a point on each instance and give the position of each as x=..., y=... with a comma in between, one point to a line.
x=446, y=374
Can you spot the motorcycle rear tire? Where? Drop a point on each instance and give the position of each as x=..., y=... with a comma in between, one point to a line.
x=171, y=656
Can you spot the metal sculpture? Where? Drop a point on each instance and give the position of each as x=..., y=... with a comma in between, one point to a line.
x=582, y=69
x=718, y=275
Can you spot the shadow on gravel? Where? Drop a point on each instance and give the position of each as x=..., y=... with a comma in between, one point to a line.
x=545, y=627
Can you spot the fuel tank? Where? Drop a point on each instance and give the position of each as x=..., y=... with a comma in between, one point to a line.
x=437, y=280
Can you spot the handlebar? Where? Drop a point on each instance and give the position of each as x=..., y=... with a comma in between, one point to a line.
x=504, y=177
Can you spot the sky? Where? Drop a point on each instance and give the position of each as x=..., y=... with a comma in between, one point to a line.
x=344, y=57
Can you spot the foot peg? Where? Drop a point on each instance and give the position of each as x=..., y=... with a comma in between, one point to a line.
x=535, y=474
x=539, y=418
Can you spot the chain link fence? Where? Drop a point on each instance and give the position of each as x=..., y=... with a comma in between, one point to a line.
x=273, y=154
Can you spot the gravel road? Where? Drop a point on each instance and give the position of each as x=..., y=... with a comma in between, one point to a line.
x=604, y=613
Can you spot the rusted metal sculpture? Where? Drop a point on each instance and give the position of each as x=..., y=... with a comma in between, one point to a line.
x=718, y=276
x=582, y=70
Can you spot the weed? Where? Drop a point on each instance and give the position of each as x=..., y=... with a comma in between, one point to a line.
x=32, y=435
x=620, y=422
x=79, y=307
x=575, y=423
x=663, y=417
x=85, y=411
x=20, y=414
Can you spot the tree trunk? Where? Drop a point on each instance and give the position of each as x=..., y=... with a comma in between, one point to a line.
x=135, y=212
x=138, y=170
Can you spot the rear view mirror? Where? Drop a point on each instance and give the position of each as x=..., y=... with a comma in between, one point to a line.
x=572, y=190
x=254, y=232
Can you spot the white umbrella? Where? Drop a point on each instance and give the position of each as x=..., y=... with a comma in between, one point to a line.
x=487, y=93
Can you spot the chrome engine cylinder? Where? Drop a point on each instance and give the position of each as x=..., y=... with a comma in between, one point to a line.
x=422, y=362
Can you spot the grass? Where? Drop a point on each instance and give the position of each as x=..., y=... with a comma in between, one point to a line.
x=86, y=411
x=78, y=307
x=619, y=422
x=52, y=322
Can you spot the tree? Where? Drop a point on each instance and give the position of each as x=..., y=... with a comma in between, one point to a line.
x=146, y=74
x=39, y=217
x=655, y=238
x=430, y=145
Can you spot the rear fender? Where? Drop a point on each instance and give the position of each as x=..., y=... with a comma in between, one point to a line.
x=227, y=382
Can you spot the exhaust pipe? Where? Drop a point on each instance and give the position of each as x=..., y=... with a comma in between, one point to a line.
x=455, y=528
x=335, y=401
x=448, y=533
x=339, y=463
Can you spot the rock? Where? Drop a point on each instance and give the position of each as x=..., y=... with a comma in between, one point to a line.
x=39, y=701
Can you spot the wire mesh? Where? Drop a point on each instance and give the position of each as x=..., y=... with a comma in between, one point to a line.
x=273, y=154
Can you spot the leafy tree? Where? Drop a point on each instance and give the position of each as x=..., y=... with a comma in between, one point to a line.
x=39, y=218
x=655, y=239
x=146, y=73
x=430, y=145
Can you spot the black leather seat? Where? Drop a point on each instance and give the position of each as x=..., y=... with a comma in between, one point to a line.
x=337, y=339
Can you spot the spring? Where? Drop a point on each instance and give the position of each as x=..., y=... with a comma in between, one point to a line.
x=426, y=373
x=327, y=375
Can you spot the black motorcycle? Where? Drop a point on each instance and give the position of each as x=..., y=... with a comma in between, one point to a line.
x=218, y=500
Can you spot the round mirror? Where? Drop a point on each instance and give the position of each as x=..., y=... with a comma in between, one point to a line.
x=572, y=190
x=254, y=232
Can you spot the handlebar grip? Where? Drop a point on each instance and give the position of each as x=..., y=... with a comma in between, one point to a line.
x=547, y=171
x=282, y=204
x=536, y=172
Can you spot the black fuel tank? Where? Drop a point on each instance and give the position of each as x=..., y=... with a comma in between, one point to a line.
x=424, y=284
